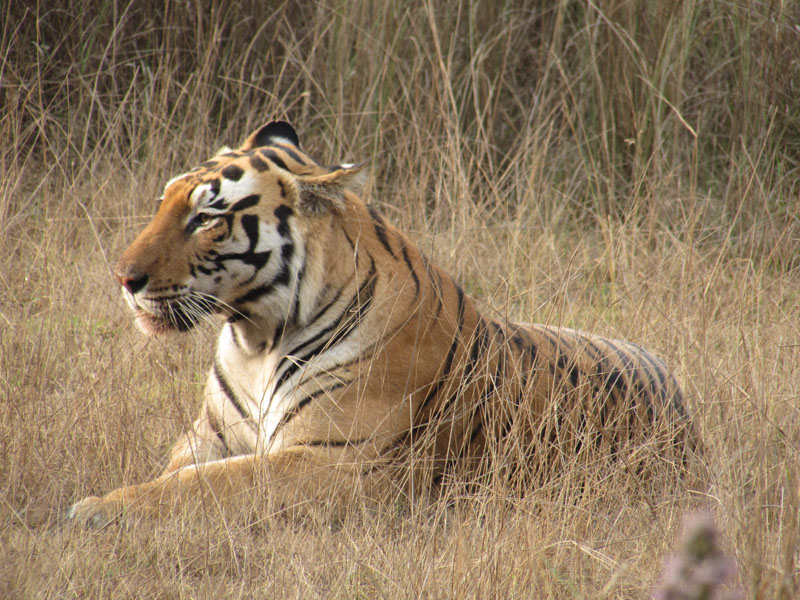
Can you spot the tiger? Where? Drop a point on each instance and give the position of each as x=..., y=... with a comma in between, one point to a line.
x=347, y=359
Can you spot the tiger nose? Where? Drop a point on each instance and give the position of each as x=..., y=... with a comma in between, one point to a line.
x=133, y=282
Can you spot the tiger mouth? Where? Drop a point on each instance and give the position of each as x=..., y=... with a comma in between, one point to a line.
x=173, y=313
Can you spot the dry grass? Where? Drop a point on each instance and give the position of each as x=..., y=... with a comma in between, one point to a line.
x=627, y=167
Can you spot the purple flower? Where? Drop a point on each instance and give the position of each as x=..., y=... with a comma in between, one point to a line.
x=698, y=570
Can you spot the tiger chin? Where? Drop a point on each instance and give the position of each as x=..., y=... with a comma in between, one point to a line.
x=345, y=352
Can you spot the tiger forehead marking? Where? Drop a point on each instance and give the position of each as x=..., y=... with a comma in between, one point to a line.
x=233, y=174
x=349, y=361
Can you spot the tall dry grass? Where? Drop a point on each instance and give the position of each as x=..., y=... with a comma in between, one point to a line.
x=623, y=166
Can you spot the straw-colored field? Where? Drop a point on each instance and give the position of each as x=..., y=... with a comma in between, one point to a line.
x=622, y=166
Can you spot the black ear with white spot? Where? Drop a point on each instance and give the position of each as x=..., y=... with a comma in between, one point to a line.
x=325, y=193
x=269, y=134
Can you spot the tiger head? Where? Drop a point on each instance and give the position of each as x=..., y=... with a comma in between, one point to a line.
x=233, y=235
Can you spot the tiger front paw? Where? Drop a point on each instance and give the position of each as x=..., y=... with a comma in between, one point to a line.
x=91, y=512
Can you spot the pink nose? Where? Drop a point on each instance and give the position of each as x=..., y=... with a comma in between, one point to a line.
x=132, y=283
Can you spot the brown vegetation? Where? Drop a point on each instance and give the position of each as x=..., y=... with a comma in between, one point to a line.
x=626, y=167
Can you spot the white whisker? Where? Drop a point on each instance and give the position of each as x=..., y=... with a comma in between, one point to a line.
x=222, y=304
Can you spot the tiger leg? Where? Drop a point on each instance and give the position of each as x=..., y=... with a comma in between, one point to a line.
x=199, y=445
x=291, y=478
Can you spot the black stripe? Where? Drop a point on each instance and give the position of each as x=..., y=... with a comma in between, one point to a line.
x=232, y=172
x=259, y=259
x=250, y=226
x=249, y=257
x=380, y=228
x=212, y=422
x=497, y=382
x=526, y=347
x=529, y=351
x=208, y=271
x=560, y=338
x=235, y=337
x=270, y=154
x=282, y=213
x=282, y=277
x=479, y=345
x=321, y=313
x=663, y=374
x=288, y=416
x=611, y=376
x=521, y=340
x=500, y=334
x=218, y=204
x=242, y=314
x=328, y=443
x=598, y=356
x=568, y=367
x=255, y=293
x=245, y=202
x=357, y=307
x=294, y=365
x=258, y=164
x=363, y=301
x=389, y=455
x=643, y=359
x=364, y=351
x=410, y=267
x=292, y=412
x=507, y=425
x=492, y=389
x=475, y=431
x=228, y=391
x=434, y=391
x=334, y=443
x=298, y=283
x=435, y=281
x=657, y=383
x=323, y=310
x=545, y=332
x=351, y=242
x=638, y=386
x=293, y=155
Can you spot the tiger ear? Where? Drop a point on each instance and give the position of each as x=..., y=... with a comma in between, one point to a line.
x=276, y=131
x=325, y=193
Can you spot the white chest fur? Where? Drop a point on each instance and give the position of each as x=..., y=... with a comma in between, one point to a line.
x=252, y=379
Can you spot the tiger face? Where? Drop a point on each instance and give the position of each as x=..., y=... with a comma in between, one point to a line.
x=228, y=236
